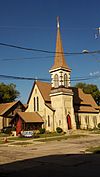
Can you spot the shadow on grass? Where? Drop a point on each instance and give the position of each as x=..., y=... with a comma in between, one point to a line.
x=70, y=165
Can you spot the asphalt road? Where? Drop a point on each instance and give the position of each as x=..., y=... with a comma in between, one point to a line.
x=51, y=159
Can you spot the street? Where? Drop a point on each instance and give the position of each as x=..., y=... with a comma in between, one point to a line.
x=53, y=158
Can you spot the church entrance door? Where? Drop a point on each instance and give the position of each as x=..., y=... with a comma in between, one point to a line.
x=69, y=122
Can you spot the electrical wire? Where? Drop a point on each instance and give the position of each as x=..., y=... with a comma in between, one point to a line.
x=27, y=58
x=43, y=79
x=47, y=51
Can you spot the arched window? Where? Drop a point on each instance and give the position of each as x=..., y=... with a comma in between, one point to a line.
x=56, y=81
x=37, y=104
x=34, y=104
x=65, y=80
x=48, y=121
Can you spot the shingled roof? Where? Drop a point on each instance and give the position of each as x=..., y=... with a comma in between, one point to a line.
x=32, y=117
x=83, y=102
x=4, y=107
x=59, y=61
x=44, y=89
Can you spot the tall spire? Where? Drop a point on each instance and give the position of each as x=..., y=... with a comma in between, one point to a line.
x=59, y=61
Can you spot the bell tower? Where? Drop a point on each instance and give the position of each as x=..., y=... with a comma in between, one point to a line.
x=61, y=95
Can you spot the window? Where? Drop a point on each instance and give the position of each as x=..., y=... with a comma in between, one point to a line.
x=56, y=81
x=37, y=104
x=65, y=80
x=59, y=122
x=48, y=121
x=34, y=104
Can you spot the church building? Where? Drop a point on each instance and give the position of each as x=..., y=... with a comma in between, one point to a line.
x=59, y=104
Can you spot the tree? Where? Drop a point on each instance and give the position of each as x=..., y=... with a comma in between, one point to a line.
x=91, y=89
x=8, y=93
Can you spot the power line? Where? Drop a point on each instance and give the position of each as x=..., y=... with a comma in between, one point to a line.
x=21, y=78
x=47, y=51
x=27, y=58
x=43, y=79
x=45, y=27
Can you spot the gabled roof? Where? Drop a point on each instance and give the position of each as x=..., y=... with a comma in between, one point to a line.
x=92, y=101
x=82, y=102
x=85, y=109
x=4, y=107
x=32, y=117
x=59, y=61
x=82, y=98
x=44, y=89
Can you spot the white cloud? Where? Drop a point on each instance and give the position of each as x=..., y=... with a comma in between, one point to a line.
x=94, y=73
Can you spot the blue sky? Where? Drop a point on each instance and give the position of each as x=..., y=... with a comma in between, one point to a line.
x=32, y=24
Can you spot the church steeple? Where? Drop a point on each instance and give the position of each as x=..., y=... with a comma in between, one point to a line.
x=60, y=71
x=59, y=61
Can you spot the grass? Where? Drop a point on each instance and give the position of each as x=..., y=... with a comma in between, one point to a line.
x=95, y=150
x=19, y=138
x=22, y=143
x=49, y=135
x=43, y=138
x=60, y=137
x=3, y=142
x=3, y=135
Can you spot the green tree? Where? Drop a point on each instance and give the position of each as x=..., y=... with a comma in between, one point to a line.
x=8, y=93
x=91, y=89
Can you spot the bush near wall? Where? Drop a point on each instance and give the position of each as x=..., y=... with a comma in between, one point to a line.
x=59, y=130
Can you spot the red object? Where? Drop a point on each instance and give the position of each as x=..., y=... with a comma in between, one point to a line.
x=19, y=126
x=69, y=122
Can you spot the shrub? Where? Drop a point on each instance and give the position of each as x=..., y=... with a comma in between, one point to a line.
x=7, y=130
x=42, y=130
x=99, y=125
x=36, y=136
x=59, y=130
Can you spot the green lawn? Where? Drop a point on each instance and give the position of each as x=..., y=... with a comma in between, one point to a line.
x=21, y=143
x=44, y=137
x=19, y=138
x=58, y=138
x=3, y=141
x=3, y=135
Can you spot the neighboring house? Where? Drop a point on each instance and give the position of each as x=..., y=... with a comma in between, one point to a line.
x=8, y=111
x=26, y=121
x=59, y=104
